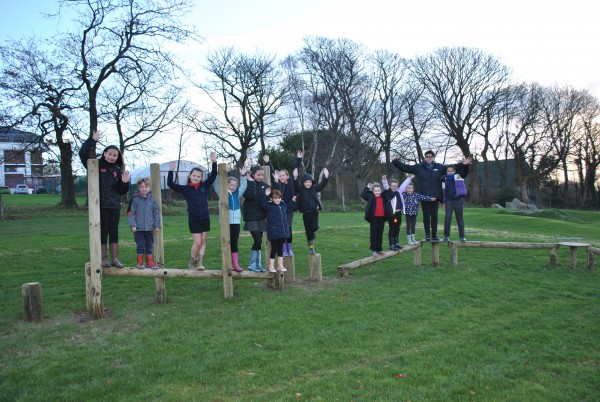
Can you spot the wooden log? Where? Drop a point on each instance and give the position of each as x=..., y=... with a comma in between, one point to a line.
x=182, y=273
x=435, y=254
x=371, y=259
x=159, y=244
x=417, y=254
x=509, y=245
x=573, y=246
x=591, y=262
x=225, y=232
x=94, y=295
x=290, y=265
x=315, y=269
x=554, y=255
x=453, y=255
x=279, y=278
x=32, y=301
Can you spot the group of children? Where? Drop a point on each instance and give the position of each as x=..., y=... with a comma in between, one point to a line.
x=388, y=201
x=265, y=208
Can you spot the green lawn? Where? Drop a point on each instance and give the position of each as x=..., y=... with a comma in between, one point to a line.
x=504, y=325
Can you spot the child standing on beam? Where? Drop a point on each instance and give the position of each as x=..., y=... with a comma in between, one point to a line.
x=143, y=215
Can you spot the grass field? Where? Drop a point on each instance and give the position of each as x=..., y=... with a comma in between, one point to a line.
x=504, y=325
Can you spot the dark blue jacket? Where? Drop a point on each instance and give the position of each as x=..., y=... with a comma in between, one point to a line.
x=428, y=176
x=449, y=189
x=111, y=186
x=196, y=198
x=308, y=198
x=251, y=209
x=277, y=224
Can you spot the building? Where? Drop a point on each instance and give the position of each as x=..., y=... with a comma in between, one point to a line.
x=21, y=160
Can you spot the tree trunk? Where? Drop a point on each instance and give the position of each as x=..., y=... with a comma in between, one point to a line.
x=67, y=180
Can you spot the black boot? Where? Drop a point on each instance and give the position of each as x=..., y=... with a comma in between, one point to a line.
x=392, y=244
x=397, y=243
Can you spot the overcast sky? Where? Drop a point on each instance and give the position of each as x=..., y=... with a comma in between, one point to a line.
x=551, y=42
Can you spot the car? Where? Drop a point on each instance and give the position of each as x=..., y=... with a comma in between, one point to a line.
x=40, y=190
x=21, y=189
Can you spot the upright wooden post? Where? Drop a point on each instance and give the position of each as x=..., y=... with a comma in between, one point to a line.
x=159, y=244
x=591, y=261
x=94, y=293
x=417, y=255
x=435, y=254
x=267, y=180
x=290, y=264
x=453, y=255
x=554, y=255
x=32, y=301
x=225, y=233
x=316, y=270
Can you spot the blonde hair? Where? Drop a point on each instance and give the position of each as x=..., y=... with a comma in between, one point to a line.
x=144, y=180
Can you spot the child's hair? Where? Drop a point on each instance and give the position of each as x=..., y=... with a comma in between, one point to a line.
x=394, y=181
x=275, y=194
x=255, y=169
x=451, y=167
x=119, y=162
x=376, y=185
x=144, y=180
x=284, y=171
x=409, y=185
x=192, y=171
x=232, y=179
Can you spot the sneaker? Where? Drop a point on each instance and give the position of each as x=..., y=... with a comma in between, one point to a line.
x=375, y=254
x=435, y=239
x=463, y=239
x=446, y=238
x=381, y=253
x=428, y=239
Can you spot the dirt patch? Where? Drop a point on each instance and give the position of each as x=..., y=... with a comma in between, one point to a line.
x=83, y=317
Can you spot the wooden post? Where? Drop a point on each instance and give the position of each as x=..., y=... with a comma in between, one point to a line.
x=417, y=255
x=453, y=255
x=225, y=232
x=267, y=180
x=94, y=292
x=435, y=254
x=32, y=301
x=290, y=265
x=316, y=271
x=554, y=255
x=159, y=244
x=279, y=280
x=591, y=262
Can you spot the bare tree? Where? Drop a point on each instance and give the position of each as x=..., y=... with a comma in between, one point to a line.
x=116, y=37
x=458, y=83
x=40, y=92
x=587, y=148
x=247, y=92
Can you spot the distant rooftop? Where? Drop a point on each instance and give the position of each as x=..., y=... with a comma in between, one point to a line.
x=10, y=134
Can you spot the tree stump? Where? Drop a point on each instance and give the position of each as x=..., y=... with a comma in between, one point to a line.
x=417, y=255
x=290, y=265
x=32, y=301
x=316, y=271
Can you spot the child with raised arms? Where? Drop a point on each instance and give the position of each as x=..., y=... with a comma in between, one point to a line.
x=195, y=193
x=254, y=215
x=114, y=183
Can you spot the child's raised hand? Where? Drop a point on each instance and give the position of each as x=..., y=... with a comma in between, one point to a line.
x=228, y=168
x=125, y=176
x=325, y=172
x=300, y=154
x=383, y=177
x=467, y=160
x=172, y=165
x=295, y=173
x=266, y=158
x=276, y=176
x=96, y=135
x=369, y=185
x=294, y=198
x=243, y=171
x=394, y=156
x=410, y=176
x=432, y=198
x=267, y=191
x=213, y=157
x=249, y=177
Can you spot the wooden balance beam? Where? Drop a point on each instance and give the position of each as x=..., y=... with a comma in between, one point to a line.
x=343, y=269
x=553, y=247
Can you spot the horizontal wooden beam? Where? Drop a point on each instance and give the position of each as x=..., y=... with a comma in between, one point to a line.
x=493, y=244
x=183, y=273
x=372, y=259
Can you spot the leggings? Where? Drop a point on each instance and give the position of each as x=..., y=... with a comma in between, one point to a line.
x=257, y=238
x=234, y=236
x=109, y=225
x=276, y=248
x=411, y=224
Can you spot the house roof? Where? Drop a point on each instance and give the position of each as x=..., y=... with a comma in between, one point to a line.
x=10, y=134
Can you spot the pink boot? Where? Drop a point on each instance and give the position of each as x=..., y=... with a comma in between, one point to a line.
x=234, y=263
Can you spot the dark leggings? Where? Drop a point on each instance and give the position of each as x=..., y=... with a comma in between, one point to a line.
x=234, y=236
x=257, y=238
x=276, y=248
x=109, y=225
x=411, y=224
